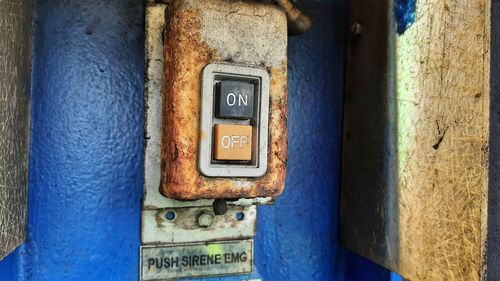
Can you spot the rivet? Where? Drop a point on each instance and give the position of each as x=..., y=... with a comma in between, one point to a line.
x=170, y=215
x=240, y=216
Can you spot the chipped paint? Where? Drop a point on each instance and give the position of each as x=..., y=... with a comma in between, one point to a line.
x=404, y=11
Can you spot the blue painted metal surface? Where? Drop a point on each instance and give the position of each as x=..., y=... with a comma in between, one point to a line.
x=297, y=237
x=396, y=277
x=86, y=141
x=404, y=11
x=86, y=151
x=360, y=269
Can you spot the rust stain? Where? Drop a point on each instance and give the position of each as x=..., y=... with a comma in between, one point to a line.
x=185, y=56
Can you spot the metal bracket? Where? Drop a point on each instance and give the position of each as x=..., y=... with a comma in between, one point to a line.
x=185, y=225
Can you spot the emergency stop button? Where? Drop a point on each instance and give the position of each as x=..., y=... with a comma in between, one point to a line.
x=234, y=99
x=233, y=142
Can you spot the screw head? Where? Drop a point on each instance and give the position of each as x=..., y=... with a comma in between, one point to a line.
x=356, y=29
x=170, y=215
x=205, y=220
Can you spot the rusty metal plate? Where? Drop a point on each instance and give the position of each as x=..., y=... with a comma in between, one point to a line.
x=155, y=19
x=196, y=260
x=182, y=225
x=198, y=33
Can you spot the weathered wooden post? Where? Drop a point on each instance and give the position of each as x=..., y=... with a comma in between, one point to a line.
x=416, y=142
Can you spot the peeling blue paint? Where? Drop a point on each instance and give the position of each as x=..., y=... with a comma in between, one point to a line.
x=405, y=14
x=396, y=277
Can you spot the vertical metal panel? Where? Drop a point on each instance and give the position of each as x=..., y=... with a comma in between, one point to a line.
x=15, y=62
x=493, y=251
x=369, y=151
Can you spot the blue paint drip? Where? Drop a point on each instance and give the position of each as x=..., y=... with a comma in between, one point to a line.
x=405, y=14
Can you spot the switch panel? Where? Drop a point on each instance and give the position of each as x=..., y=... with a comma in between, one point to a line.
x=234, y=121
x=224, y=100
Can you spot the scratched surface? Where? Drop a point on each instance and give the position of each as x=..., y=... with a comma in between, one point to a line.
x=443, y=119
x=15, y=50
x=416, y=171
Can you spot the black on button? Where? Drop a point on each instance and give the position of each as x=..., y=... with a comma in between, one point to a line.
x=234, y=99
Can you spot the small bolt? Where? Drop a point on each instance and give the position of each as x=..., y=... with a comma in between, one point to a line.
x=356, y=29
x=220, y=207
x=204, y=220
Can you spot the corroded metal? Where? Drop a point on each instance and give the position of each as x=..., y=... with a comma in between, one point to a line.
x=181, y=225
x=155, y=18
x=156, y=229
x=15, y=54
x=298, y=22
x=201, y=32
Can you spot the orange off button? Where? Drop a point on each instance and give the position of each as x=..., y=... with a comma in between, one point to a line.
x=233, y=142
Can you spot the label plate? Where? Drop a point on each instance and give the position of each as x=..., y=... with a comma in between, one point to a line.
x=168, y=262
